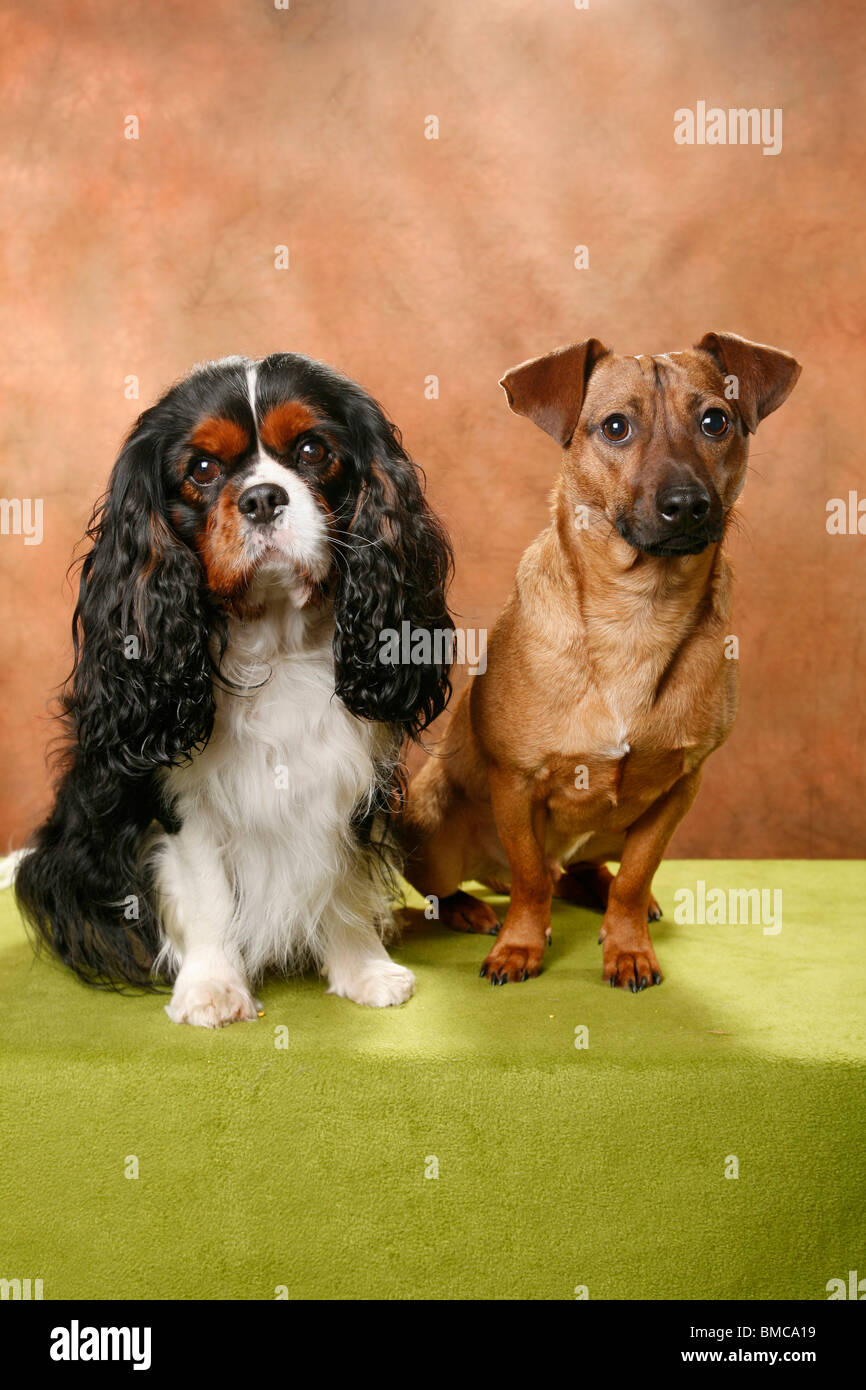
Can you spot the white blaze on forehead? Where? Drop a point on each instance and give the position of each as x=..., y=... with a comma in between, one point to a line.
x=252, y=377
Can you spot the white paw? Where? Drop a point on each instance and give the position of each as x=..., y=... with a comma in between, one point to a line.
x=378, y=984
x=211, y=1003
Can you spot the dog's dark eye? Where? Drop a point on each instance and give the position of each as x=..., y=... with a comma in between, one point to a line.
x=616, y=428
x=312, y=451
x=714, y=422
x=205, y=471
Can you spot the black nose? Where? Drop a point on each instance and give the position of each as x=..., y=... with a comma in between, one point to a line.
x=683, y=506
x=260, y=503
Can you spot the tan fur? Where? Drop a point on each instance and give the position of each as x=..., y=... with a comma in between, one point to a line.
x=604, y=657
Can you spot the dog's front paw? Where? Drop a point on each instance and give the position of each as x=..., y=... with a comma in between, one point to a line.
x=634, y=969
x=378, y=984
x=211, y=1004
x=513, y=959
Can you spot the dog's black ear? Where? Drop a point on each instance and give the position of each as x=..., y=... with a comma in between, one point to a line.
x=765, y=376
x=393, y=638
x=549, y=390
x=140, y=694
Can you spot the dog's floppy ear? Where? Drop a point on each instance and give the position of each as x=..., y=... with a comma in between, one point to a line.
x=394, y=566
x=765, y=376
x=549, y=390
x=141, y=693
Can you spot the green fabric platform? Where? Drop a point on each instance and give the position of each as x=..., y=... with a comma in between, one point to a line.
x=558, y=1167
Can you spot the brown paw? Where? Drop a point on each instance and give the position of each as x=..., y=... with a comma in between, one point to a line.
x=461, y=912
x=634, y=969
x=512, y=961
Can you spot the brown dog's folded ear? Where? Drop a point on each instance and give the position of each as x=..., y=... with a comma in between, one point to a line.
x=549, y=390
x=765, y=376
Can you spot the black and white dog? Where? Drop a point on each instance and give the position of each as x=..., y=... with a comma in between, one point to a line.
x=235, y=737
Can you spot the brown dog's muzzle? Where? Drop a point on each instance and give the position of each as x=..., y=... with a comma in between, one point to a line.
x=681, y=515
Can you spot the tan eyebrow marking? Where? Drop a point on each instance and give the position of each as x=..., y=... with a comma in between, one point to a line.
x=224, y=438
x=283, y=423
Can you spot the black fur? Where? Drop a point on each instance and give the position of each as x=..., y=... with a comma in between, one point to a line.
x=128, y=715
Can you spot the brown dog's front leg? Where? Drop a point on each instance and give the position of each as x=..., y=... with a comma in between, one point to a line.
x=629, y=959
x=519, y=949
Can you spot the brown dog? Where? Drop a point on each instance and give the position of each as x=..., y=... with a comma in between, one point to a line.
x=607, y=683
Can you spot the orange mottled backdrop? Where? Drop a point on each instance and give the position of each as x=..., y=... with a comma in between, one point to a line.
x=409, y=257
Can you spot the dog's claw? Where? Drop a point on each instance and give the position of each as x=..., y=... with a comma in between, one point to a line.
x=657, y=979
x=483, y=971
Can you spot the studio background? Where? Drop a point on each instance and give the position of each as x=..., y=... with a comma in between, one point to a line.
x=411, y=257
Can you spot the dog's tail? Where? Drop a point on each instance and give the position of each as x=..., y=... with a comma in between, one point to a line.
x=83, y=889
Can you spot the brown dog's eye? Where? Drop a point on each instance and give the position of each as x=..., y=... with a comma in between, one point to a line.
x=714, y=422
x=205, y=471
x=312, y=451
x=616, y=428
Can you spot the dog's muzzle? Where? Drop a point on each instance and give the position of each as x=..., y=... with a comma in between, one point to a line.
x=686, y=518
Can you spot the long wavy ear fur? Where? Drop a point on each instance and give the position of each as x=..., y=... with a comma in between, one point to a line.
x=394, y=570
x=140, y=697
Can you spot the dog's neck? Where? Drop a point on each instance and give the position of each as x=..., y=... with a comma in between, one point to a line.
x=635, y=610
x=278, y=622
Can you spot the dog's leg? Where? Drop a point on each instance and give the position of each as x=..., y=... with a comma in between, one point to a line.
x=359, y=968
x=353, y=957
x=588, y=885
x=629, y=959
x=519, y=949
x=196, y=907
x=435, y=835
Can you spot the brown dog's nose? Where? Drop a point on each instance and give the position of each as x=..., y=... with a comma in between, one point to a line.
x=683, y=506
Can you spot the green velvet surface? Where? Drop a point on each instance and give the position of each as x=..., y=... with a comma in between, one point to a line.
x=303, y=1167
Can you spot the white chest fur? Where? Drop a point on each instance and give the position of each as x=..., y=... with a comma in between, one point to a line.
x=273, y=794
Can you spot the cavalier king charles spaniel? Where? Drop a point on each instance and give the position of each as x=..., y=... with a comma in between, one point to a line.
x=234, y=735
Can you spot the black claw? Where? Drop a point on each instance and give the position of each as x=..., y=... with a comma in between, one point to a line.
x=494, y=931
x=483, y=971
x=657, y=979
x=524, y=976
x=613, y=982
x=643, y=982
x=632, y=986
